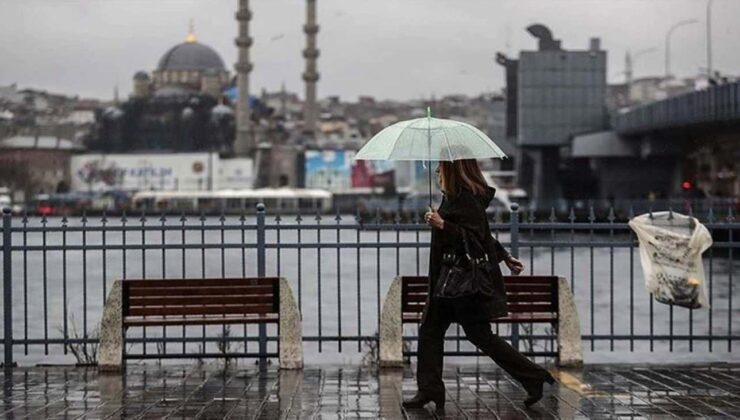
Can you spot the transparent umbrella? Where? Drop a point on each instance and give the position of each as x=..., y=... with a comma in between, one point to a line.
x=429, y=139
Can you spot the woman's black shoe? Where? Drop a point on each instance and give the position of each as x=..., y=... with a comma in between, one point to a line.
x=535, y=393
x=421, y=399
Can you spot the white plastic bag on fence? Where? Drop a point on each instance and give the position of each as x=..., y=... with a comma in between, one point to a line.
x=671, y=245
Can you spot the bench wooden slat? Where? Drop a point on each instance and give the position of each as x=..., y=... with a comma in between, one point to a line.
x=511, y=297
x=416, y=288
x=219, y=320
x=529, y=297
x=530, y=279
x=511, y=319
x=414, y=307
x=200, y=310
x=528, y=288
x=256, y=281
x=416, y=297
x=199, y=290
x=530, y=308
x=136, y=301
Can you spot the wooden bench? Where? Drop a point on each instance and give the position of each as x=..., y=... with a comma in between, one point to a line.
x=211, y=301
x=531, y=299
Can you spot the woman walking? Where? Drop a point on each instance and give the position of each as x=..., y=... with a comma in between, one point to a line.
x=461, y=236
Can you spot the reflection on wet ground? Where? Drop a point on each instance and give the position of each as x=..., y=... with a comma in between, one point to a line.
x=151, y=391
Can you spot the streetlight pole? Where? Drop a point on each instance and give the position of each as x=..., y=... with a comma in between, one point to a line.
x=668, y=43
x=709, y=38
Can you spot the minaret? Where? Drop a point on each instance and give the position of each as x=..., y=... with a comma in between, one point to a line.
x=310, y=76
x=244, y=143
x=283, y=102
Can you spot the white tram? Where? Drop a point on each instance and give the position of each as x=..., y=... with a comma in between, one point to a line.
x=275, y=199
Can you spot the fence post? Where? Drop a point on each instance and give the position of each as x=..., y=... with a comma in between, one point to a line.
x=514, y=233
x=261, y=250
x=514, y=221
x=7, y=291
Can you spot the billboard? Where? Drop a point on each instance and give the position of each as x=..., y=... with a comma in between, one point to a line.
x=328, y=169
x=336, y=170
x=159, y=172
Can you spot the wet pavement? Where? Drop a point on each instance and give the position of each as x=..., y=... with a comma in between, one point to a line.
x=479, y=392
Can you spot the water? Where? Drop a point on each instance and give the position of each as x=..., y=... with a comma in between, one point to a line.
x=357, y=277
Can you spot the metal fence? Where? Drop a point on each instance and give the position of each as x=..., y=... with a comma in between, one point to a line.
x=57, y=273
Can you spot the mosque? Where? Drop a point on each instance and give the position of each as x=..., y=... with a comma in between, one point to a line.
x=190, y=103
x=181, y=106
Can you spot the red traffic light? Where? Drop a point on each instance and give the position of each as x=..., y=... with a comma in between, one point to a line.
x=686, y=185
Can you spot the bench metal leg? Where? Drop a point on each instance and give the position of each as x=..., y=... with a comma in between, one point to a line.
x=291, y=329
x=111, y=332
x=570, y=348
x=515, y=336
x=390, y=334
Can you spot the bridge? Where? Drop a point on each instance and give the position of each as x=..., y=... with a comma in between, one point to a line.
x=682, y=146
x=715, y=107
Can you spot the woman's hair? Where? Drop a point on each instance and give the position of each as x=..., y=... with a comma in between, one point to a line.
x=460, y=174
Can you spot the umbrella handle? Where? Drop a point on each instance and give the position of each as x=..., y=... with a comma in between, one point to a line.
x=429, y=169
x=429, y=152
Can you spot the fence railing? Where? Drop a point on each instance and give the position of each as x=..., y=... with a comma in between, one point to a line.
x=57, y=272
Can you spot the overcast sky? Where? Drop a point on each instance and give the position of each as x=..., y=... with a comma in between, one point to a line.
x=397, y=49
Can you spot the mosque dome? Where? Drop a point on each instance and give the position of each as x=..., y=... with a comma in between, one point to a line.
x=191, y=55
x=190, y=67
x=141, y=75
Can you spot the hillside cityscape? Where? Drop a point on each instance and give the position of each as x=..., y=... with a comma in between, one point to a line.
x=193, y=136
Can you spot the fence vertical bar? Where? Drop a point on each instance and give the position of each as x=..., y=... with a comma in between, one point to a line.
x=514, y=229
x=730, y=260
x=261, y=250
x=7, y=290
x=514, y=221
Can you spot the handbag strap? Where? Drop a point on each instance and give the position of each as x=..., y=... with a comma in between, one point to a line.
x=467, y=248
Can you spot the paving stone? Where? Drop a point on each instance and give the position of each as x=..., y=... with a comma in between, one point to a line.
x=473, y=392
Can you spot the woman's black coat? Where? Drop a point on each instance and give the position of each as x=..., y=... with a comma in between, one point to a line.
x=468, y=211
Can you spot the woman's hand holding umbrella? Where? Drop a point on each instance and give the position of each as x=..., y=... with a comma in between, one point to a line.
x=433, y=219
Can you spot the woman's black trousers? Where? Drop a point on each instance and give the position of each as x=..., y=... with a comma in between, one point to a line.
x=472, y=315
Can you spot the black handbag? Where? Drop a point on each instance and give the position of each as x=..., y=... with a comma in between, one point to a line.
x=465, y=276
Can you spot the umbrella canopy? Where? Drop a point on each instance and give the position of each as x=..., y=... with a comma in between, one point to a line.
x=429, y=139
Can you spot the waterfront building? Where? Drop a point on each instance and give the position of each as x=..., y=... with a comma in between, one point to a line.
x=552, y=94
x=35, y=164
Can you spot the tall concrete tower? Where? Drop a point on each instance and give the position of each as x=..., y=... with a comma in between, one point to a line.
x=245, y=141
x=310, y=76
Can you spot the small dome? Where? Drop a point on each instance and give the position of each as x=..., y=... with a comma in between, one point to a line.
x=141, y=75
x=222, y=109
x=191, y=56
x=112, y=113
